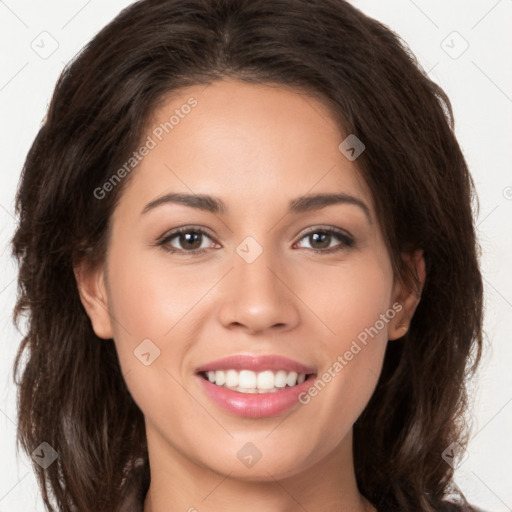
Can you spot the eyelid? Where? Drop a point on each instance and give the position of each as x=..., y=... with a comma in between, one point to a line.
x=333, y=229
x=180, y=229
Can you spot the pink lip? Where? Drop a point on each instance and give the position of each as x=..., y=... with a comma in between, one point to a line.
x=255, y=405
x=256, y=364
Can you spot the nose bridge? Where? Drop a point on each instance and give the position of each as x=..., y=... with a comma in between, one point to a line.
x=253, y=266
x=257, y=298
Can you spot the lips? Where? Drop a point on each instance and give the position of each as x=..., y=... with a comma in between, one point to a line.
x=255, y=386
x=256, y=364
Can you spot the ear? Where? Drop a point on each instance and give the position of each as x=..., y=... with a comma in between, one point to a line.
x=408, y=296
x=92, y=289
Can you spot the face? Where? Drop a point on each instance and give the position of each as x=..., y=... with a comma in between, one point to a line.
x=259, y=330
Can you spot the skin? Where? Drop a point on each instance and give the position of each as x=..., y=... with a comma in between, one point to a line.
x=255, y=147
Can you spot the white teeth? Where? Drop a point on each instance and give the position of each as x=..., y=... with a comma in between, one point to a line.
x=245, y=390
x=266, y=380
x=231, y=379
x=220, y=378
x=291, y=380
x=280, y=379
x=247, y=381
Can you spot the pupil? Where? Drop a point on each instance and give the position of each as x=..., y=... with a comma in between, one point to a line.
x=191, y=238
x=317, y=236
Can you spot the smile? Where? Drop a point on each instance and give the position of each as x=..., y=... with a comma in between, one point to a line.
x=247, y=381
x=255, y=386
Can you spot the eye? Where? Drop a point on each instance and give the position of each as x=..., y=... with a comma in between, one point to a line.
x=321, y=239
x=189, y=240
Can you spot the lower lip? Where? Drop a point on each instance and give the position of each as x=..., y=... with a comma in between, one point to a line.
x=255, y=405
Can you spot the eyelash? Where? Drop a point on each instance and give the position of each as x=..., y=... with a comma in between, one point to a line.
x=346, y=240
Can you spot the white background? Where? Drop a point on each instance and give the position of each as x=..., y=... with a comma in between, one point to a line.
x=479, y=84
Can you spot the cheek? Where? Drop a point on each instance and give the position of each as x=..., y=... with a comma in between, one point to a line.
x=349, y=298
x=149, y=297
x=151, y=309
x=354, y=303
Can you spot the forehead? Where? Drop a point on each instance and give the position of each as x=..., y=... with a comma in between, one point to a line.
x=244, y=141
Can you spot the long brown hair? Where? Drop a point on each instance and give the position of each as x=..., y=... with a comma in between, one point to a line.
x=71, y=380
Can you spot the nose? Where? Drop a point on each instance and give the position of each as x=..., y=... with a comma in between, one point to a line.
x=258, y=295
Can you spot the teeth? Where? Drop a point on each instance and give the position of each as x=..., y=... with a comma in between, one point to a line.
x=220, y=378
x=280, y=379
x=247, y=381
x=291, y=380
x=231, y=379
x=266, y=380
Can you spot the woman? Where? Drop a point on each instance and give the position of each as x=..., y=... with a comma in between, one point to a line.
x=247, y=251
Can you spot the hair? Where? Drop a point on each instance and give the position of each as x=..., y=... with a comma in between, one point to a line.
x=424, y=198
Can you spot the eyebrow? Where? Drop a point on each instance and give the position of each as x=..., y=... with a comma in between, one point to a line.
x=299, y=205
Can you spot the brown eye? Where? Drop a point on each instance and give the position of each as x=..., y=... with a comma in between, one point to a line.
x=190, y=240
x=320, y=240
x=185, y=240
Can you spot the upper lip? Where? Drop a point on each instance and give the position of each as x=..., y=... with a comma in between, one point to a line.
x=256, y=364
